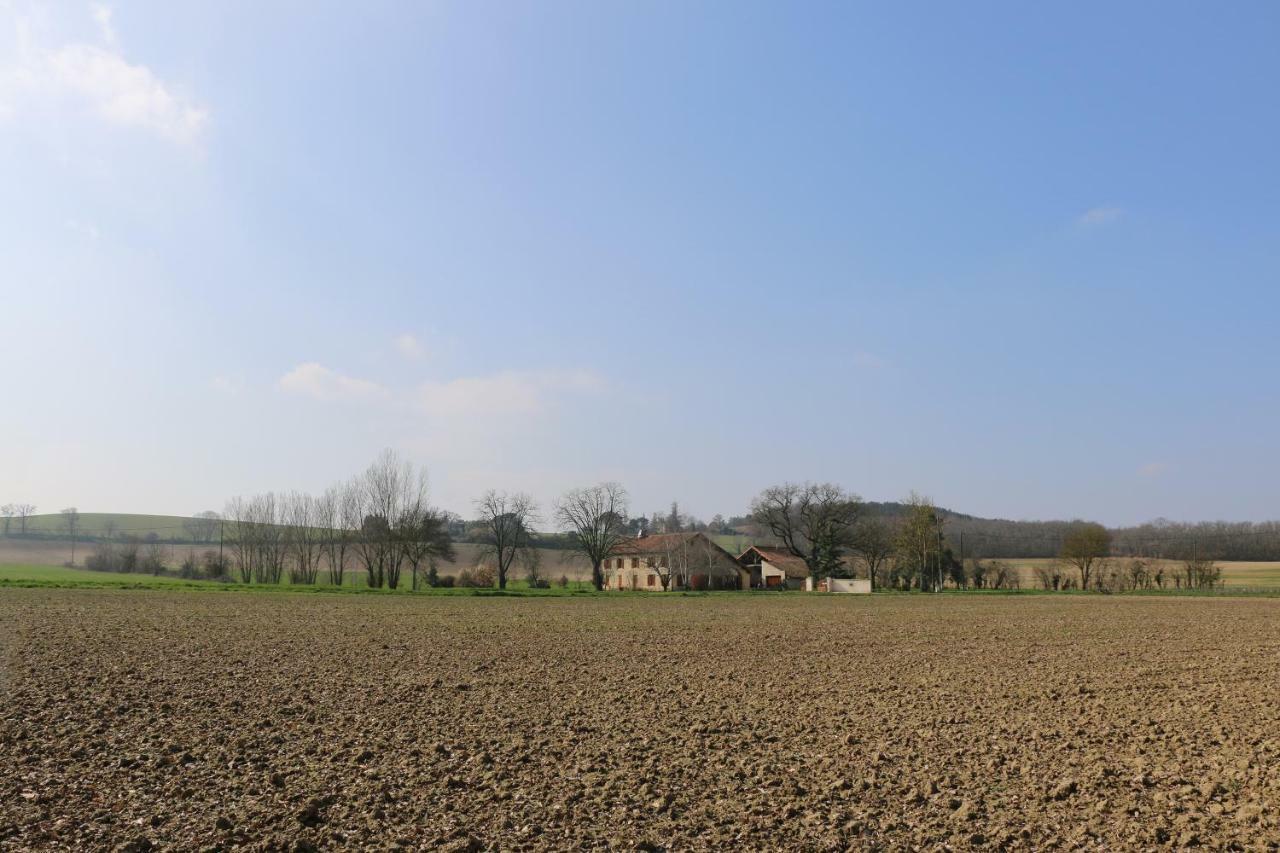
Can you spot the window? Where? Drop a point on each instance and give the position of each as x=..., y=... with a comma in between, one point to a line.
x=653, y=580
x=635, y=562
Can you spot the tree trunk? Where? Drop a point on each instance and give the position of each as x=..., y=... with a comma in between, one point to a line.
x=597, y=577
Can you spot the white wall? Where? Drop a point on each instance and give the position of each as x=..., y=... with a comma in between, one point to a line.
x=855, y=585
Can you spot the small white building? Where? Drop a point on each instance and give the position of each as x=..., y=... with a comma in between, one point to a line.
x=855, y=586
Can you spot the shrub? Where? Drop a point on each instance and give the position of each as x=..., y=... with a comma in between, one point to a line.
x=478, y=578
x=564, y=581
x=539, y=583
x=445, y=581
x=188, y=569
x=215, y=567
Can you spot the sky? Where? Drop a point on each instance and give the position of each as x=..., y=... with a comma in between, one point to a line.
x=1022, y=258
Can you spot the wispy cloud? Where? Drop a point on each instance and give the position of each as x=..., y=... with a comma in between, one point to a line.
x=314, y=380
x=506, y=393
x=1099, y=216
x=95, y=78
x=409, y=347
x=1153, y=469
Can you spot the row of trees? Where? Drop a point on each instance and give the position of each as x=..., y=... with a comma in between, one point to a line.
x=16, y=514
x=382, y=519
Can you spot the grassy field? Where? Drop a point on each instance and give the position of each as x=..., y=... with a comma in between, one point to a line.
x=19, y=576
x=16, y=576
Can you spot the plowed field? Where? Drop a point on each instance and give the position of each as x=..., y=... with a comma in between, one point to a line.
x=270, y=721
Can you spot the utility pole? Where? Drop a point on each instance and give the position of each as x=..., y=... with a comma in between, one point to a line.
x=939, y=587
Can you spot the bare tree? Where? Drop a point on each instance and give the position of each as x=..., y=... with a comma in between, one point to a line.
x=153, y=554
x=1085, y=546
x=238, y=535
x=873, y=542
x=269, y=538
x=508, y=521
x=110, y=527
x=24, y=513
x=8, y=511
x=338, y=519
x=672, y=563
x=813, y=521
x=71, y=524
x=303, y=536
x=202, y=526
x=1201, y=572
x=393, y=499
x=422, y=530
x=1001, y=575
x=596, y=520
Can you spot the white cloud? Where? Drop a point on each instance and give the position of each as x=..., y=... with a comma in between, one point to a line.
x=507, y=393
x=319, y=382
x=95, y=78
x=1099, y=216
x=409, y=347
x=1153, y=469
x=102, y=15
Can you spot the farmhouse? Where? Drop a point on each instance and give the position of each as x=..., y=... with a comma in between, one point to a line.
x=772, y=568
x=674, y=561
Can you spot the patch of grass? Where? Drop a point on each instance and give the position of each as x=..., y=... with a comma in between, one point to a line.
x=61, y=577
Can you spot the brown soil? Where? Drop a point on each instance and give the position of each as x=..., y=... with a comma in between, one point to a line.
x=268, y=721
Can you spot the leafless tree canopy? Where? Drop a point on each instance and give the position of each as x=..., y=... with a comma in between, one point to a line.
x=814, y=521
x=202, y=527
x=1085, y=546
x=873, y=543
x=596, y=520
x=382, y=517
x=508, y=521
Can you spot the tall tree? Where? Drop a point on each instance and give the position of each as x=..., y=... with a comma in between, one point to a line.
x=873, y=542
x=508, y=521
x=596, y=520
x=674, y=524
x=1085, y=546
x=303, y=536
x=424, y=533
x=8, y=511
x=24, y=512
x=813, y=521
x=918, y=545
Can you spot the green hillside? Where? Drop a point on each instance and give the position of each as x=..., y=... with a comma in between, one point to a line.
x=95, y=524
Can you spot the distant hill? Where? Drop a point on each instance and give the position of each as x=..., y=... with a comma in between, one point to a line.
x=93, y=525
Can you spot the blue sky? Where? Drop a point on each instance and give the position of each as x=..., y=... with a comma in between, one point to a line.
x=1022, y=259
